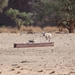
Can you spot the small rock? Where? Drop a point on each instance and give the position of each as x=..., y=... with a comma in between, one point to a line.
x=67, y=44
x=18, y=72
x=30, y=69
x=12, y=69
x=40, y=71
x=18, y=67
x=52, y=50
x=0, y=72
x=22, y=68
x=23, y=61
x=1, y=64
x=71, y=73
x=14, y=64
x=52, y=72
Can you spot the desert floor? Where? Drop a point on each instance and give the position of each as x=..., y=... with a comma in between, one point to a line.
x=53, y=60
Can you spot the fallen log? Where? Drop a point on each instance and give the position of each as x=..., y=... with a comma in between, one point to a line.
x=33, y=45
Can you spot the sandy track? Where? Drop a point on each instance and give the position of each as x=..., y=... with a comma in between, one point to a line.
x=54, y=60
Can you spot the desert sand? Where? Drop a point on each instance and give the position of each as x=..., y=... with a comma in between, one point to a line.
x=52, y=60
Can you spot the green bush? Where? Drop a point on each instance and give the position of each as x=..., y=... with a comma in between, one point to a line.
x=20, y=18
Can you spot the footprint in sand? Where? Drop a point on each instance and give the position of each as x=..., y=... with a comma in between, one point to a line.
x=0, y=72
x=71, y=73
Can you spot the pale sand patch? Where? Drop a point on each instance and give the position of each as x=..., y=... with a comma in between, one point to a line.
x=54, y=60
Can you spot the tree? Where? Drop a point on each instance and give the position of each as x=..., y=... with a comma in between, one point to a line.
x=20, y=18
x=61, y=10
x=3, y=4
x=65, y=14
x=45, y=11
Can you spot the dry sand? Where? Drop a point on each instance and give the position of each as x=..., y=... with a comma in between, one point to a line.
x=54, y=60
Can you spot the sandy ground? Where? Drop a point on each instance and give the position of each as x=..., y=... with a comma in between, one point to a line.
x=54, y=60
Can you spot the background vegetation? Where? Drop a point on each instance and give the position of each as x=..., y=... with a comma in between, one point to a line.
x=43, y=13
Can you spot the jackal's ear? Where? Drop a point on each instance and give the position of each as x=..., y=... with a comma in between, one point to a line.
x=43, y=32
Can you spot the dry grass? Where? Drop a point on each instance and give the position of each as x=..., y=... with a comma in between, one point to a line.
x=4, y=30
x=23, y=28
x=28, y=29
x=38, y=29
x=31, y=29
x=8, y=30
x=49, y=29
x=13, y=30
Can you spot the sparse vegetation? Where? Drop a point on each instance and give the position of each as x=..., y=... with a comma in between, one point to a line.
x=49, y=29
x=20, y=18
x=29, y=29
x=60, y=11
x=8, y=30
x=41, y=13
x=3, y=4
